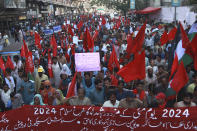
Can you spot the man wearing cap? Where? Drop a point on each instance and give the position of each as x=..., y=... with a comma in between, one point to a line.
x=40, y=77
x=130, y=101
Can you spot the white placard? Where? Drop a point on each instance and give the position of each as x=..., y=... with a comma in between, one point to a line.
x=87, y=62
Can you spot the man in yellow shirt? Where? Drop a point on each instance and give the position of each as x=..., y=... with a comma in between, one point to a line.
x=39, y=78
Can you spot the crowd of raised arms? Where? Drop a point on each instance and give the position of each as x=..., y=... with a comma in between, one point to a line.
x=104, y=88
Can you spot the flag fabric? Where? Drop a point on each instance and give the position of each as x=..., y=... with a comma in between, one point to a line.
x=26, y=50
x=96, y=33
x=174, y=66
x=70, y=30
x=2, y=65
x=172, y=33
x=185, y=39
x=22, y=53
x=72, y=87
x=29, y=66
x=139, y=40
x=180, y=79
x=50, y=71
x=135, y=69
x=113, y=61
x=164, y=38
x=37, y=40
x=9, y=63
x=192, y=50
x=88, y=42
x=103, y=21
x=129, y=45
x=54, y=45
x=80, y=25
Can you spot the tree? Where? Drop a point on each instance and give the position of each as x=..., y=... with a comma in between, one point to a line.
x=120, y=5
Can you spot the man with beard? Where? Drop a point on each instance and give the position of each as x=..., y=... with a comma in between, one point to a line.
x=150, y=76
x=187, y=101
x=88, y=83
x=98, y=93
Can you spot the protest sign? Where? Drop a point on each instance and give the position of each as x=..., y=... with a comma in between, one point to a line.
x=57, y=29
x=87, y=62
x=48, y=32
x=83, y=118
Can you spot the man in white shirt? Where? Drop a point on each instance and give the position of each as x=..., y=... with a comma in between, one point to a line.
x=112, y=102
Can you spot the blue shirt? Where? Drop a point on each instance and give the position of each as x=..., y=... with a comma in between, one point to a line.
x=88, y=89
x=97, y=97
x=120, y=96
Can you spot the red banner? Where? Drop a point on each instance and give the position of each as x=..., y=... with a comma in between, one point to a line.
x=97, y=118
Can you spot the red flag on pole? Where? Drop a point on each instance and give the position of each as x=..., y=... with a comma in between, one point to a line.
x=25, y=48
x=54, y=44
x=72, y=87
x=129, y=46
x=172, y=33
x=113, y=61
x=2, y=65
x=9, y=63
x=135, y=69
x=180, y=78
x=50, y=71
x=185, y=39
x=37, y=40
x=139, y=40
x=164, y=38
x=174, y=66
x=29, y=63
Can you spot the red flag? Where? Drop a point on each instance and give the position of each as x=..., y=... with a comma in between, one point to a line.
x=67, y=57
x=129, y=45
x=164, y=38
x=79, y=25
x=172, y=34
x=29, y=63
x=139, y=39
x=25, y=48
x=72, y=87
x=70, y=30
x=2, y=65
x=54, y=44
x=192, y=50
x=114, y=81
x=88, y=42
x=180, y=78
x=185, y=40
x=174, y=66
x=135, y=69
x=113, y=61
x=22, y=53
x=37, y=40
x=9, y=63
x=50, y=71
x=73, y=49
x=103, y=21
x=96, y=33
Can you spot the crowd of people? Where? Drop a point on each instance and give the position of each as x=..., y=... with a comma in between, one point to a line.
x=103, y=88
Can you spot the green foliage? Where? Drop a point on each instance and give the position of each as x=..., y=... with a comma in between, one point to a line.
x=118, y=5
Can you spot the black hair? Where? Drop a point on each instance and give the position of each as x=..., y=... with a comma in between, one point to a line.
x=140, y=82
x=107, y=79
x=81, y=89
x=87, y=73
x=97, y=81
x=12, y=94
x=188, y=95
